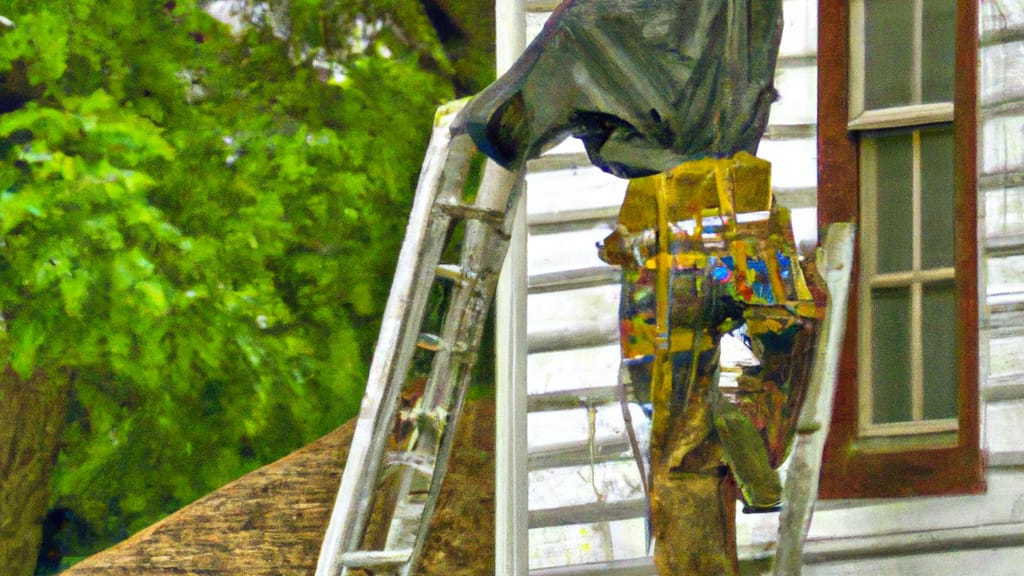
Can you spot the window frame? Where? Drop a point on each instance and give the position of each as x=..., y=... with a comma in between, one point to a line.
x=853, y=467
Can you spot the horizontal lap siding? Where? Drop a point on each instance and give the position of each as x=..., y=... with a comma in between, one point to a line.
x=585, y=504
x=1001, y=190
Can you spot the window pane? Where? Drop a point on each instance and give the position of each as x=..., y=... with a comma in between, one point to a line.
x=890, y=355
x=939, y=329
x=937, y=50
x=894, y=209
x=937, y=198
x=888, y=53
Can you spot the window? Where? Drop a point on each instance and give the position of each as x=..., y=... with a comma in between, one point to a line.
x=896, y=153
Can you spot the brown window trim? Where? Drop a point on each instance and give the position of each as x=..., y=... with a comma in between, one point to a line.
x=849, y=471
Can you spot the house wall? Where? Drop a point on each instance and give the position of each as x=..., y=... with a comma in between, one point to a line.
x=586, y=505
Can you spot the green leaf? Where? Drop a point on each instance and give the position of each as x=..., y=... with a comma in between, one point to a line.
x=74, y=290
x=13, y=209
x=28, y=338
x=154, y=296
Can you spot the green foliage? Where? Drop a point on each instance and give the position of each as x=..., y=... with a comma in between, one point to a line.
x=201, y=230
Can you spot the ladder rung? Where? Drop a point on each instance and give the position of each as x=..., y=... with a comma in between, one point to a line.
x=434, y=343
x=471, y=212
x=409, y=511
x=419, y=462
x=569, y=399
x=429, y=342
x=454, y=273
x=574, y=278
x=379, y=559
x=632, y=567
x=585, y=333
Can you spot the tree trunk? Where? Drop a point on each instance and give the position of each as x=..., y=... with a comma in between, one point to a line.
x=31, y=420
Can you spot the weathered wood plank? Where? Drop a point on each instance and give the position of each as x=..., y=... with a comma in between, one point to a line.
x=634, y=567
x=570, y=279
x=1002, y=140
x=1004, y=211
x=574, y=429
x=566, y=251
x=794, y=162
x=1005, y=421
x=588, y=513
x=800, y=29
x=552, y=193
x=1001, y=16
x=574, y=368
x=1005, y=279
x=583, y=334
x=1002, y=73
x=571, y=314
x=992, y=551
x=580, y=454
x=1004, y=355
x=852, y=519
x=568, y=399
x=583, y=484
x=798, y=96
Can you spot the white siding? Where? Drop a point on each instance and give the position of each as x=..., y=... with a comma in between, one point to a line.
x=1001, y=194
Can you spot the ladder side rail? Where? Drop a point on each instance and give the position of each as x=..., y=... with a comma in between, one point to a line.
x=835, y=261
x=396, y=354
x=484, y=252
x=436, y=404
x=450, y=370
x=399, y=332
x=486, y=243
x=485, y=246
x=386, y=402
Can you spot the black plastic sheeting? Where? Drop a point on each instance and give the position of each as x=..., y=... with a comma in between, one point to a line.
x=646, y=84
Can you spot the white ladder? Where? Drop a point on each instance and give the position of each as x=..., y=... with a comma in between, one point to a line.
x=446, y=198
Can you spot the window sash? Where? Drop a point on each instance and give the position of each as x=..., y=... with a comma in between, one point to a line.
x=917, y=111
x=915, y=280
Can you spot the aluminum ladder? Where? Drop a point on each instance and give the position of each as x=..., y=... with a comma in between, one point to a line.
x=451, y=194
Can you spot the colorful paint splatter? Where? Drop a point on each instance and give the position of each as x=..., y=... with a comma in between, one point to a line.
x=704, y=252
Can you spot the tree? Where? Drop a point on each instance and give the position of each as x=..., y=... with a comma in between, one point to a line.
x=197, y=233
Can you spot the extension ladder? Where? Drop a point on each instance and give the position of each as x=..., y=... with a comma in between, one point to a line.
x=452, y=198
